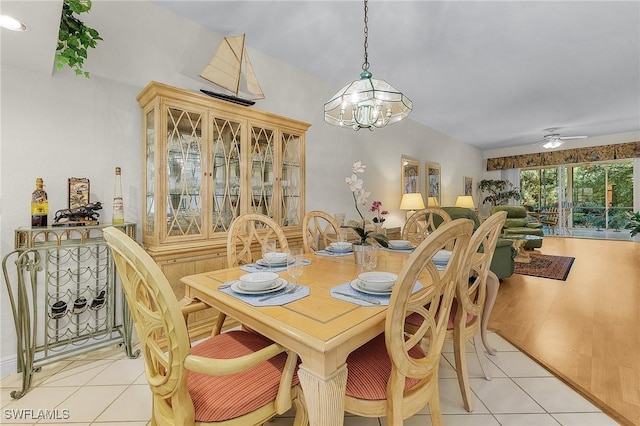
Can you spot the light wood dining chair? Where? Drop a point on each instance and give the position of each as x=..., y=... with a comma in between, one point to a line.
x=469, y=303
x=248, y=229
x=468, y=310
x=423, y=222
x=393, y=375
x=319, y=229
x=234, y=378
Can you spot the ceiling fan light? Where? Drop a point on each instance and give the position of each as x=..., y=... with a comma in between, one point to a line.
x=552, y=143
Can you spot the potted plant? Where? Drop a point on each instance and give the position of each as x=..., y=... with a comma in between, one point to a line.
x=74, y=37
x=498, y=192
x=634, y=223
x=360, y=198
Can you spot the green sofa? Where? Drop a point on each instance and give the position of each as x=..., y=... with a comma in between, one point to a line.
x=519, y=226
x=502, y=263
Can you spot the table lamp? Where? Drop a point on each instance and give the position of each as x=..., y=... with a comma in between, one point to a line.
x=465, y=201
x=411, y=201
x=432, y=202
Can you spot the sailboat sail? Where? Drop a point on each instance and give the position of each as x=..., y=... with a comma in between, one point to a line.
x=226, y=68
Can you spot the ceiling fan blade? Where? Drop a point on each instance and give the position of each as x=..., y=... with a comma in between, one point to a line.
x=564, y=138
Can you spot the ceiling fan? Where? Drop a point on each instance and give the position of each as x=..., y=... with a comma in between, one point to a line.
x=554, y=140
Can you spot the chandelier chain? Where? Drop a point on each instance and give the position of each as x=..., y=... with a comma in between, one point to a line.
x=365, y=65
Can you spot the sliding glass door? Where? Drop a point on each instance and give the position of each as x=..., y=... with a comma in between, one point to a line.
x=596, y=195
x=602, y=194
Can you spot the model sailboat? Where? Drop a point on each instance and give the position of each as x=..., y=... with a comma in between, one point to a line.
x=231, y=69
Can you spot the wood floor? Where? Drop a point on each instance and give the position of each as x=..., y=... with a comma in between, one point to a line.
x=586, y=330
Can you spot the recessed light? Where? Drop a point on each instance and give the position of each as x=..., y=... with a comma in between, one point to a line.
x=11, y=23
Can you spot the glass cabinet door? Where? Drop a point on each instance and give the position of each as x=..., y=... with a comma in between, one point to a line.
x=184, y=172
x=150, y=196
x=291, y=148
x=262, y=171
x=226, y=139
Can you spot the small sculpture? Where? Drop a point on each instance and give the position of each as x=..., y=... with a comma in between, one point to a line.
x=79, y=215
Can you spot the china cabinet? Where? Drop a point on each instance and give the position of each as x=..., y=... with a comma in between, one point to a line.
x=206, y=162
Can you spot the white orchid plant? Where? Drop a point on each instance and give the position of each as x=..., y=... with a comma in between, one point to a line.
x=360, y=199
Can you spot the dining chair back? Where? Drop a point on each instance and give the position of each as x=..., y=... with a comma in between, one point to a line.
x=468, y=310
x=423, y=222
x=235, y=378
x=248, y=229
x=393, y=375
x=319, y=229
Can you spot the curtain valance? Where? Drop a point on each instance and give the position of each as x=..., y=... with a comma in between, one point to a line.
x=566, y=156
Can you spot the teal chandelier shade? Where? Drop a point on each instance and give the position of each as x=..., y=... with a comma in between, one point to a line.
x=368, y=102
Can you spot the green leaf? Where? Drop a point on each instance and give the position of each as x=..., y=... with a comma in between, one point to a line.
x=74, y=38
x=73, y=42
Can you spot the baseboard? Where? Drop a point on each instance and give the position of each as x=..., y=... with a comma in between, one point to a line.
x=8, y=366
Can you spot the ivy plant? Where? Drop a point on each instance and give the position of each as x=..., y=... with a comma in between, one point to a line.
x=74, y=37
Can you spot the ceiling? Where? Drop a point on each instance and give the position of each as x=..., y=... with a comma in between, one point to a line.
x=492, y=74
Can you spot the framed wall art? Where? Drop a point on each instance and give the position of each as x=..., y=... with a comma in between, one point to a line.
x=410, y=181
x=433, y=181
x=78, y=192
x=468, y=185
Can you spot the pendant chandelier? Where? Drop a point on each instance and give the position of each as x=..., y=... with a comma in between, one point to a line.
x=367, y=102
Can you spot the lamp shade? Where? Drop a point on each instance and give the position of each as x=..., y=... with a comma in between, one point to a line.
x=432, y=202
x=412, y=201
x=465, y=201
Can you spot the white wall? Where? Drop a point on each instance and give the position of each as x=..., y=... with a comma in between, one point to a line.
x=64, y=126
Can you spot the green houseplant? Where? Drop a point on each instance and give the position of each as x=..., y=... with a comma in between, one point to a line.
x=74, y=37
x=498, y=192
x=634, y=223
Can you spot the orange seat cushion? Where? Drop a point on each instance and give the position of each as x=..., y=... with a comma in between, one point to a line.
x=369, y=368
x=217, y=398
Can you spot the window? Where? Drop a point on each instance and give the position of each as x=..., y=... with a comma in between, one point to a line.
x=599, y=194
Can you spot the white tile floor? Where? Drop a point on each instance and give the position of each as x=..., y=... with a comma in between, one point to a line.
x=105, y=388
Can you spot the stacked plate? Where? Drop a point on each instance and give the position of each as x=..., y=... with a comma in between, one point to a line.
x=441, y=258
x=274, y=259
x=400, y=245
x=258, y=283
x=340, y=247
x=375, y=282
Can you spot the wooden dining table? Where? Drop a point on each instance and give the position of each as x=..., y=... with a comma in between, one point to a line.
x=320, y=328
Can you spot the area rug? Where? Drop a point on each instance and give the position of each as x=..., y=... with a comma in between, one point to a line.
x=546, y=266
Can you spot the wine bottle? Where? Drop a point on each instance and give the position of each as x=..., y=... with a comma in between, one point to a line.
x=39, y=205
x=118, y=204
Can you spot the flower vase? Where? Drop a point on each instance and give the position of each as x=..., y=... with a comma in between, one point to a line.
x=358, y=252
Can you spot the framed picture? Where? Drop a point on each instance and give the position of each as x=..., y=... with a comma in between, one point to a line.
x=468, y=185
x=433, y=181
x=410, y=181
x=78, y=192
